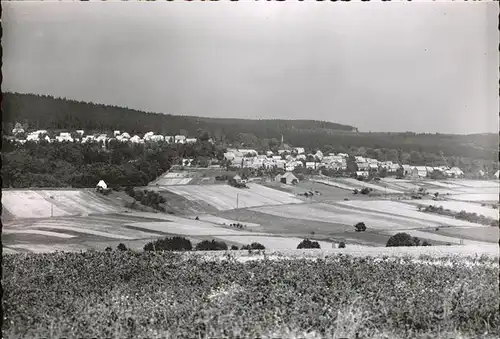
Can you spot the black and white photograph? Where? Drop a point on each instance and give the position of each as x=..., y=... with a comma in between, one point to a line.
x=250, y=169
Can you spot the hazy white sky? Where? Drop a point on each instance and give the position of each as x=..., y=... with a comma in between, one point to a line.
x=423, y=67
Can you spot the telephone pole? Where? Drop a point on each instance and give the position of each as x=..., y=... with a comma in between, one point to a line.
x=237, y=200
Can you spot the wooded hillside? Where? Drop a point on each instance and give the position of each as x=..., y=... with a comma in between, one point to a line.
x=45, y=112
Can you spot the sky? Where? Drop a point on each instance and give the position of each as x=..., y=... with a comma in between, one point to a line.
x=381, y=67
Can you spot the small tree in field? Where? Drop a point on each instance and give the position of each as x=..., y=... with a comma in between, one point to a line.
x=360, y=227
x=306, y=243
x=234, y=247
x=121, y=246
x=341, y=244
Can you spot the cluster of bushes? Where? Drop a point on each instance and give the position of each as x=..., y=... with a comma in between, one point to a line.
x=169, y=244
x=211, y=245
x=253, y=246
x=183, y=244
x=404, y=239
x=364, y=190
x=462, y=215
x=147, y=198
x=306, y=243
x=237, y=225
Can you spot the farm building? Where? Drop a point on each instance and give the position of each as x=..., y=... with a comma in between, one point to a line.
x=115, y=133
x=18, y=129
x=406, y=169
x=80, y=132
x=311, y=165
x=101, y=185
x=362, y=174
x=288, y=179
x=300, y=150
x=180, y=139
x=419, y=172
x=455, y=172
x=497, y=174
x=135, y=139
x=363, y=166
x=191, y=140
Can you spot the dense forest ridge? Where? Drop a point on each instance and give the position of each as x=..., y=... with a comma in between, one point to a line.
x=47, y=112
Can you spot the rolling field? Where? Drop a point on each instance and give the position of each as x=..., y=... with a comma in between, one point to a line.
x=484, y=234
x=435, y=236
x=334, y=183
x=407, y=210
x=224, y=197
x=361, y=184
x=174, y=178
x=486, y=197
x=37, y=203
x=458, y=206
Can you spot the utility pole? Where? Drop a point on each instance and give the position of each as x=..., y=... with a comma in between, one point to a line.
x=237, y=199
x=51, y=207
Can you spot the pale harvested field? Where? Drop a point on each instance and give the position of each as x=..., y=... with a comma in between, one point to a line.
x=335, y=184
x=407, y=210
x=28, y=204
x=188, y=227
x=39, y=248
x=85, y=231
x=38, y=232
x=224, y=197
x=106, y=226
x=476, y=183
x=221, y=221
x=344, y=216
x=173, y=181
x=272, y=243
x=354, y=182
x=458, y=206
x=445, y=184
x=484, y=234
x=475, y=197
x=37, y=203
x=441, y=238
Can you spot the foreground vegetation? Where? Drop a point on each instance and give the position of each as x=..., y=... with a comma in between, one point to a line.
x=125, y=294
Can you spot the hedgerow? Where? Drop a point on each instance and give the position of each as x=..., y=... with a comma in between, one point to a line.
x=149, y=294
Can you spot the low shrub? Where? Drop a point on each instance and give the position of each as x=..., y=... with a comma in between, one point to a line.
x=341, y=244
x=254, y=246
x=212, y=245
x=121, y=247
x=169, y=244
